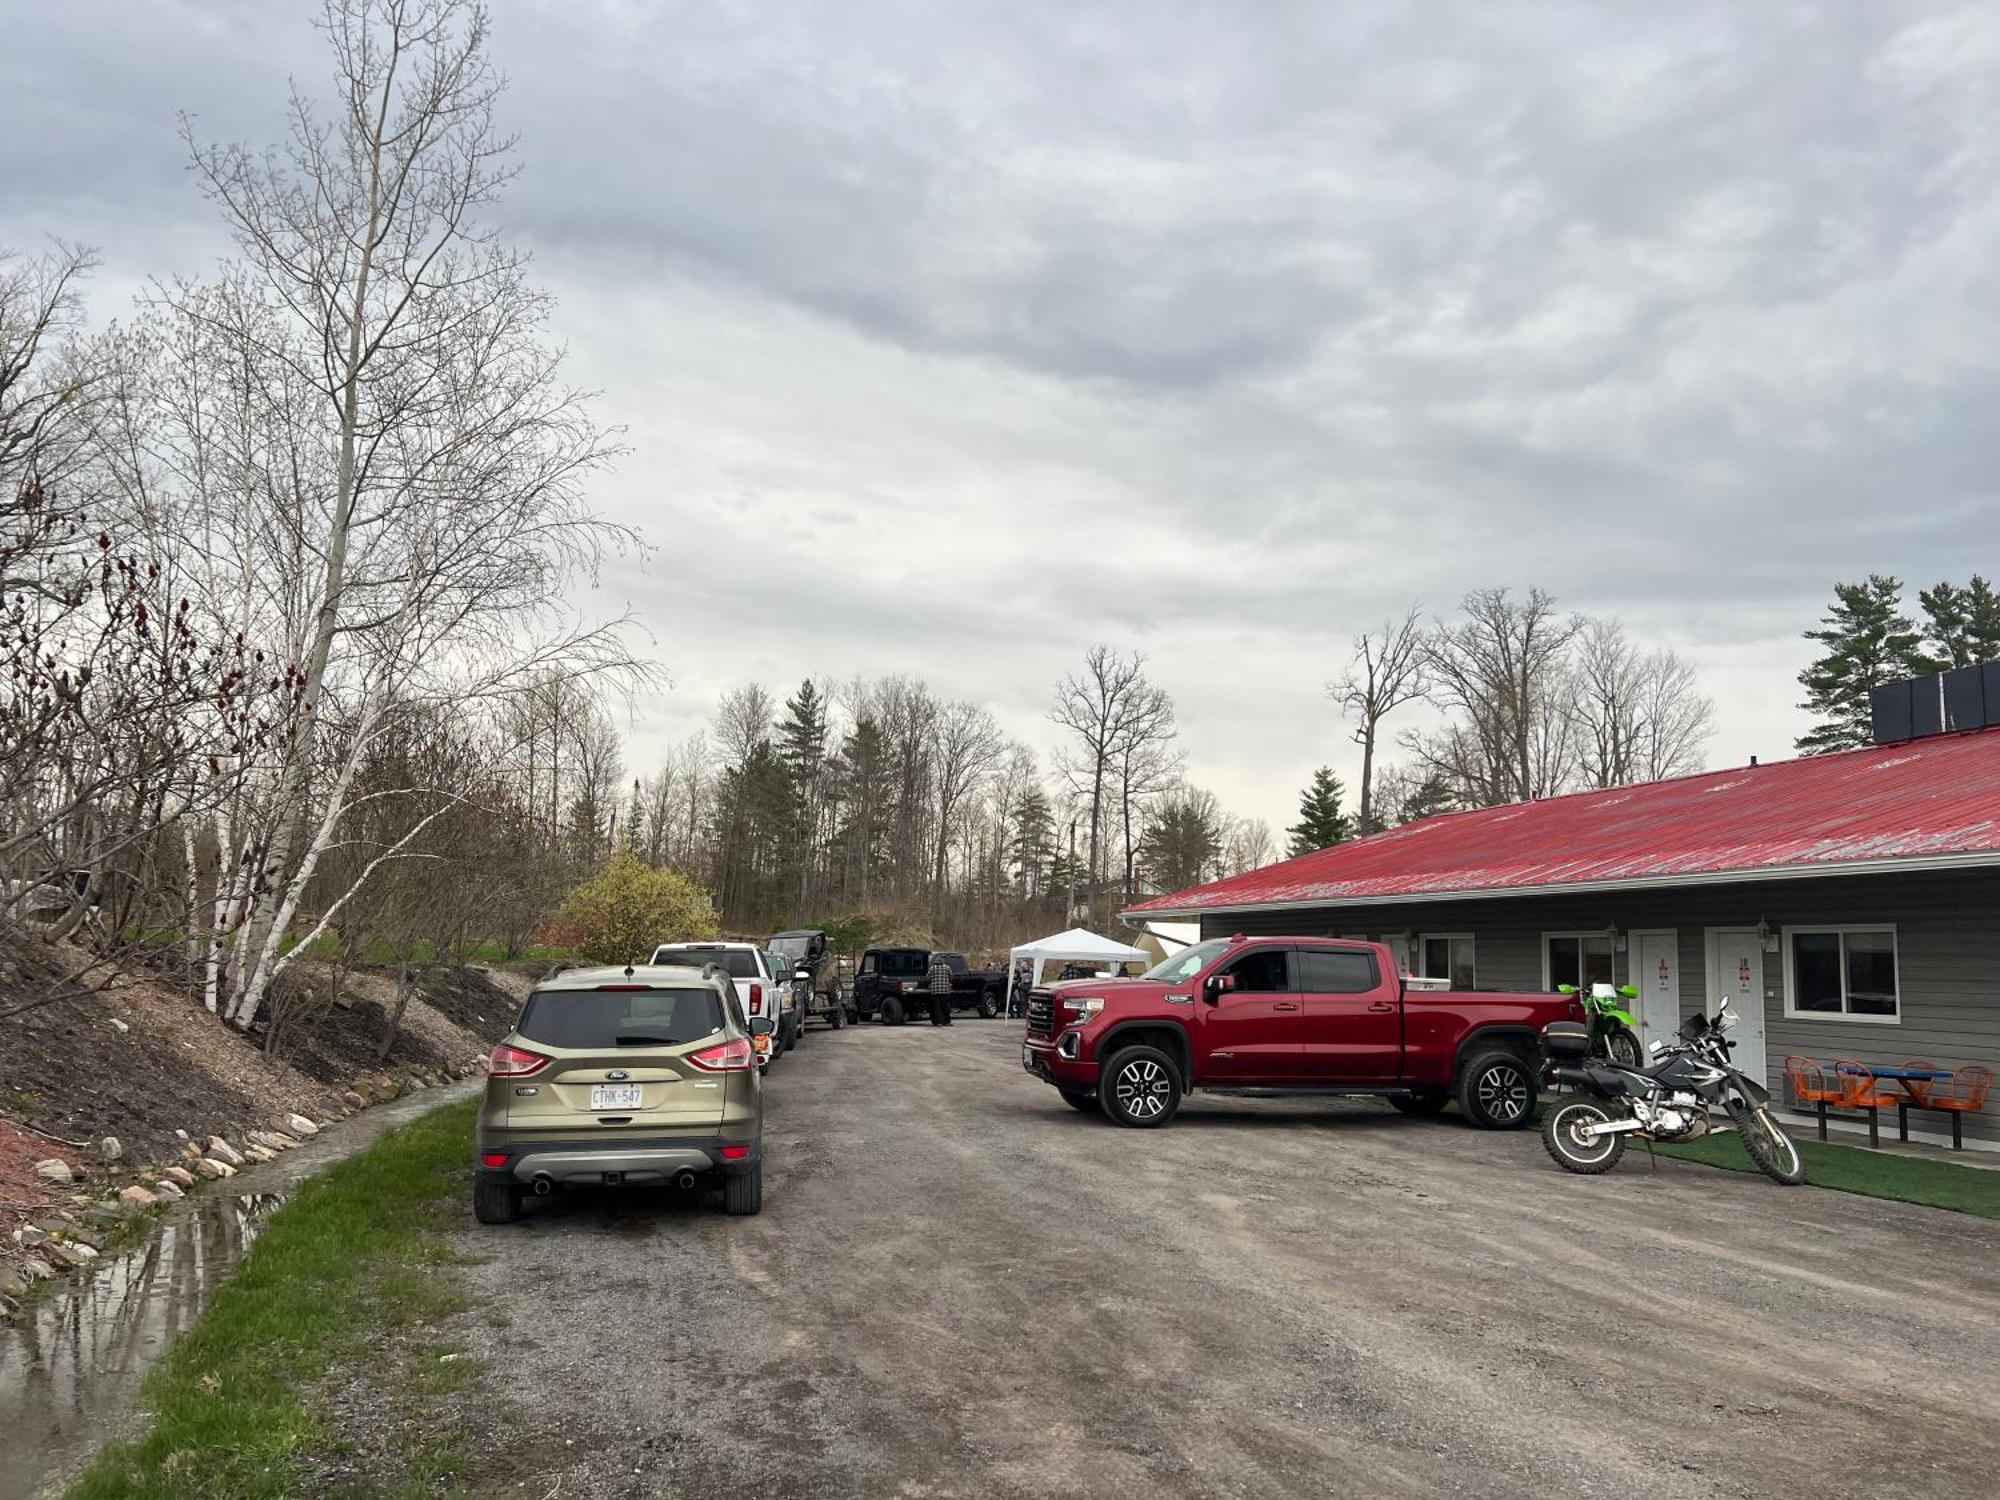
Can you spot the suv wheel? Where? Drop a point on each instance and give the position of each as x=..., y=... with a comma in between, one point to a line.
x=891, y=1013
x=495, y=1202
x=744, y=1193
x=1141, y=1087
x=1497, y=1091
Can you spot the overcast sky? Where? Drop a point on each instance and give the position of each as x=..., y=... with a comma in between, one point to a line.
x=1210, y=330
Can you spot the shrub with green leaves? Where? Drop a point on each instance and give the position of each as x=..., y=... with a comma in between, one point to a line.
x=627, y=909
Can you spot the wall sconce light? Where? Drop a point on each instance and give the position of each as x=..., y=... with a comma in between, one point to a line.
x=1766, y=939
x=1617, y=938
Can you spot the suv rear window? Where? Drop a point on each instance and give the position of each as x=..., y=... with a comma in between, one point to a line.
x=738, y=963
x=613, y=1018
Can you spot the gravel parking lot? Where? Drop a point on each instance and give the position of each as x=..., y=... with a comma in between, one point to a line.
x=960, y=1287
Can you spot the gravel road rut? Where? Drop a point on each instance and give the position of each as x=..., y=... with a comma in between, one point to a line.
x=960, y=1287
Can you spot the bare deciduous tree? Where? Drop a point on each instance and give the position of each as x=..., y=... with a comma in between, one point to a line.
x=1639, y=714
x=1102, y=707
x=1386, y=671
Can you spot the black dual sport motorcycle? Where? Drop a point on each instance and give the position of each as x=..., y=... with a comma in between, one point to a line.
x=1669, y=1099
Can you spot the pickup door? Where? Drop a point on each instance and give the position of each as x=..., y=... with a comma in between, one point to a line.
x=1351, y=1022
x=1250, y=1032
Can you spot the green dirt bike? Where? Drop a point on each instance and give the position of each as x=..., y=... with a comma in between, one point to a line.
x=1612, y=1032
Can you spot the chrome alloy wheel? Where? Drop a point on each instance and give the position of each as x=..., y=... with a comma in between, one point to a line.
x=1142, y=1089
x=1503, y=1093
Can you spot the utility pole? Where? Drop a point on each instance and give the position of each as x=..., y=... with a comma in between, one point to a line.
x=1069, y=897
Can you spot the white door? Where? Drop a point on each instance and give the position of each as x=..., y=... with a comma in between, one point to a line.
x=1656, y=974
x=1739, y=975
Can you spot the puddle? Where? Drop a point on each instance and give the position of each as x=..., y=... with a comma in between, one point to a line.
x=71, y=1364
x=79, y=1354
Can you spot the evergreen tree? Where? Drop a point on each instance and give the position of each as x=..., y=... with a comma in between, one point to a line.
x=1030, y=847
x=1431, y=796
x=1182, y=843
x=802, y=757
x=1961, y=625
x=1321, y=823
x=1869, y=641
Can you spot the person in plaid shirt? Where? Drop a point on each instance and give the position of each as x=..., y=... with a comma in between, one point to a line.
x=940, y=987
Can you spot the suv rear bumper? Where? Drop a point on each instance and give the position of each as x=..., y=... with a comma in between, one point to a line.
x=634, y=1161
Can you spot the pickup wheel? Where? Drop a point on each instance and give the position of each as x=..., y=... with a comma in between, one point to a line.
x=1140, y=1088
x=989, y=1005
x=1497, y=1091
x=891, y=1012
x=1081, y=1100
x=1424, y=1106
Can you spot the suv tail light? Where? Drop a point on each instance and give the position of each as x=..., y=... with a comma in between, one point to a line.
x=732, y=1056
x=756, y=998
x=514, y=1062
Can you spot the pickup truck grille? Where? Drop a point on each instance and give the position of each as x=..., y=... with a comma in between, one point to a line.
x=1041, y=1014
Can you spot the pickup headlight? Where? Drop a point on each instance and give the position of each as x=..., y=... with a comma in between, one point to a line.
x=1080, y=1008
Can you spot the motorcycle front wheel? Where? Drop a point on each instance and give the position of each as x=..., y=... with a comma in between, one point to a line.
x=1574, y=1152
x=1776, y=1157
x=1624, y=1048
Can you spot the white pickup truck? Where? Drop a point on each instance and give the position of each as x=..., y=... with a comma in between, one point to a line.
x=758, y=987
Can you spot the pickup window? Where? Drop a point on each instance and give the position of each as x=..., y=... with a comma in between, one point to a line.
x=1329, y=971
x=1262, y=971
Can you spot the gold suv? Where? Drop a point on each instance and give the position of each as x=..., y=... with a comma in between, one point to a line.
x=617, y=1077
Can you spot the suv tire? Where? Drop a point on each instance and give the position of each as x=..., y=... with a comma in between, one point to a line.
x=891, y=1012
x=1426, y=1105
x=1140, y=1088
x=1082, y=1100
x=495, y=1202
x=744, y=1192
x=1497, y=1091
x=989, y=1005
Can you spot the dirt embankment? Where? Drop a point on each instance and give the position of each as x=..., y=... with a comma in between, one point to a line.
x=105, y=1072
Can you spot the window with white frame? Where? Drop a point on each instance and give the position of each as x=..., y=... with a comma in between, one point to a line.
x=1448, y=956
x=1579, y=959
x=1841, y=971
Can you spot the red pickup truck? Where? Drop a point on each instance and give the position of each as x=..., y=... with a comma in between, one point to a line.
x=1288, y=1014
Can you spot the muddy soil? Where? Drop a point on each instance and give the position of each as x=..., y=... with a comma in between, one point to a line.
x=961, y=1287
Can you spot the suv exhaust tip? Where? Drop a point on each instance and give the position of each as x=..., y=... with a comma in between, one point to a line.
x=685, y=1182
x=544, y=1184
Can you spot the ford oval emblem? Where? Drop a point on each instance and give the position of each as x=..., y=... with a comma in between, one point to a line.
x=617, y=1075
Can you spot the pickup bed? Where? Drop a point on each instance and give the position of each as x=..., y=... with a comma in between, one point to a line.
x=893, y=984
x=1290, y=1015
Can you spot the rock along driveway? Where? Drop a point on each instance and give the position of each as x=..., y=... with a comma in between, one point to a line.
x=960, y=1287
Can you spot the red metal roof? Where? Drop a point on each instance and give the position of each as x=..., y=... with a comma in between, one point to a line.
x=1920, y=804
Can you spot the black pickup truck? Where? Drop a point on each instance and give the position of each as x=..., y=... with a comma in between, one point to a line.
x=893, y=984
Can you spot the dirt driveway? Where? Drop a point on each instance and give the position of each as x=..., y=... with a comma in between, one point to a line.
x=960, y=1287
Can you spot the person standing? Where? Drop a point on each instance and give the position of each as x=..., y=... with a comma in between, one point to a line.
x=940, y=988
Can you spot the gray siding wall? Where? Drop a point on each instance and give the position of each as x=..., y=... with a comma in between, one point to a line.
x=1947, y=956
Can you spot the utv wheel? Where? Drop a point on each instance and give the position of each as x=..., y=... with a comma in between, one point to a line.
x=744, y=1193
x=1081, y=1100
x=1424, y=1106
x=1773, y=1151
x=1141, y=1088
x=495, y=1202
x=836, y=1015
x=1497, y=1091
x=1574, y=1152
x=1624, y=1049
x=891, y=1013
x=988, y=1006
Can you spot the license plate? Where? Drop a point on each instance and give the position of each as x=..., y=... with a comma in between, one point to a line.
x=614, y=1096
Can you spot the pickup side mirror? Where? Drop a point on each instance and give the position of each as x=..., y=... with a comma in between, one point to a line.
x=762, y=1026
x=1220, y=985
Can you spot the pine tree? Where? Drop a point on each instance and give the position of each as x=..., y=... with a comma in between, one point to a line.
x=1030, y=848
x=1869, y=641
x=1961, y=625
x=1321, y=823
x=802, y=757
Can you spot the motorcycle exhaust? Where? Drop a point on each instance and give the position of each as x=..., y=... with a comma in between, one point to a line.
x=544, y=1184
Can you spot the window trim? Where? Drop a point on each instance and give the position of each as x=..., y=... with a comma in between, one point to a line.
x=1548, y=975
x=1447, y=937
x=1805, y=929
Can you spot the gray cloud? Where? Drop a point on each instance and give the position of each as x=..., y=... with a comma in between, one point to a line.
x=1215, y=330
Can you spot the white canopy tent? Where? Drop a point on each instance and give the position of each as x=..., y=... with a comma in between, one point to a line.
x=1077, y=946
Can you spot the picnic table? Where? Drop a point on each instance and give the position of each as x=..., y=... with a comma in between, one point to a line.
x=1863, y=1095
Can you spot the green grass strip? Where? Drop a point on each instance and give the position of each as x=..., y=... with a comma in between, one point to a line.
x=1905, y=1179
x=353, y=1256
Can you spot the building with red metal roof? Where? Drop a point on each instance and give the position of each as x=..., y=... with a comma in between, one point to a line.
x=1847, y=904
